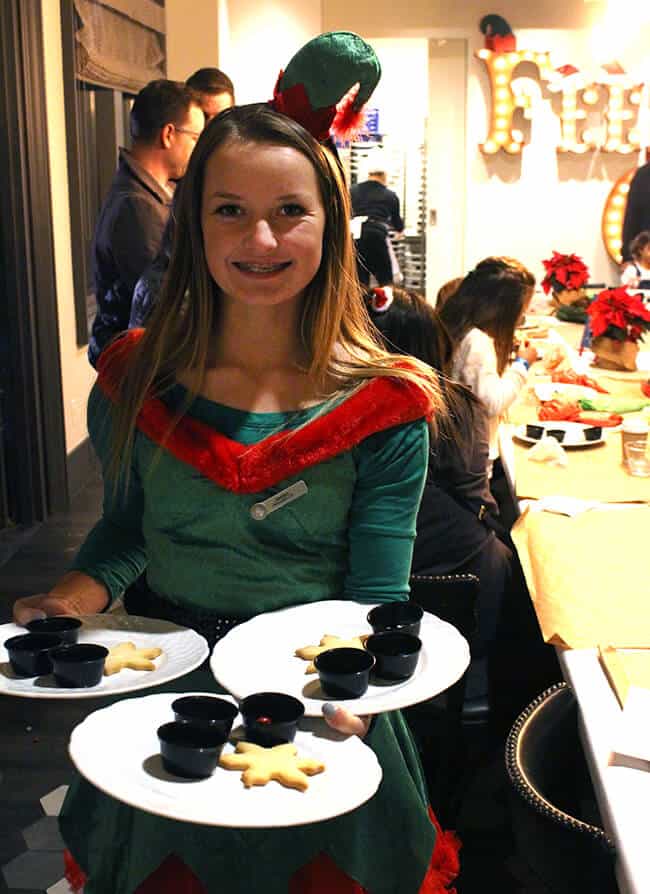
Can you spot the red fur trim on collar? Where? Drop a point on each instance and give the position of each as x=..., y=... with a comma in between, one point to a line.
x=380, y=404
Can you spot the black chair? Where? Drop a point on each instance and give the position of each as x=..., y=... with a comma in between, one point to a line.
x=437, y=724
x=555, y=819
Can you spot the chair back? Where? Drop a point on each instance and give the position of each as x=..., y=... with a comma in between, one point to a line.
x=555, y=819
x=437, y=724
x=452, y=597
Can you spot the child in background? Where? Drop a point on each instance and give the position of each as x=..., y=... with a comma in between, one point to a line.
x=638, y=269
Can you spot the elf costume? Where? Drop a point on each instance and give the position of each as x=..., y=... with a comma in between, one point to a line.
x=187, y=518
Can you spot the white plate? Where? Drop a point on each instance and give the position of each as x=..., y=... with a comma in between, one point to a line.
x=128, y=767
x=258, y=656
x=183, y=650
x=573, y=438
x=547, y=390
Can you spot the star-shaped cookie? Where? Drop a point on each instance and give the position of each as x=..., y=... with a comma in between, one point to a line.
x=128, y=655
x=281, y=763
x=328, y=642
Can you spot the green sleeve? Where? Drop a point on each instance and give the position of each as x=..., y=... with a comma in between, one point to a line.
x=113, y=552
x=391, y=471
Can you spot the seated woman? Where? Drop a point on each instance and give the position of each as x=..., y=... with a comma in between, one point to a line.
x=481, y=316
x=456, y=516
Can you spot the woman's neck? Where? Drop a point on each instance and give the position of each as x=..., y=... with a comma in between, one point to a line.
x=257, y=362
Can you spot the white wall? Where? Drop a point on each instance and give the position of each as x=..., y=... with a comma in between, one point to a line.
x=77, y=374
x=258, y=39
x=192, y=37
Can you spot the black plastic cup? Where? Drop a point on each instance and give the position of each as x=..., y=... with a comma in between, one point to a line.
x=396, y=654
x=344, y=673
x=271, y=718
x=30, y=654
x=534, y=431
x=79, y=666
x=594, y=433
x=188, y=750
x=405, y=617
x=64, y=627
x=557, y=433
x=206, y=711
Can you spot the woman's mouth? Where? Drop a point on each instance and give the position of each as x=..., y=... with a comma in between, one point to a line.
x=261, y=269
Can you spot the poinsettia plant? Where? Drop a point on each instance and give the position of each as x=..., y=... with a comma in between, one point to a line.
x=564, y=272
x=618, y=315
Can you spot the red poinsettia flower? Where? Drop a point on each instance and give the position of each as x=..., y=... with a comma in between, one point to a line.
x=617, y=314
x=564, y=272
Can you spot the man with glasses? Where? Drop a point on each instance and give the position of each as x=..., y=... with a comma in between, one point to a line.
x=165, y=123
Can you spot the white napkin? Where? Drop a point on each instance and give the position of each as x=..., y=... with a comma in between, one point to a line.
x=548, y=450
x=632, y=737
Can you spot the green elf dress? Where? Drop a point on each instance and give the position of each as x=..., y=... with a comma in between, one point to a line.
x=186, y=518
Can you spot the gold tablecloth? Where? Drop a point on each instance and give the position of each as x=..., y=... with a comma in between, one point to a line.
x=588, y=575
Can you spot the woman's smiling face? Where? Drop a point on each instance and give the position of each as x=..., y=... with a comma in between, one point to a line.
x=263, y=221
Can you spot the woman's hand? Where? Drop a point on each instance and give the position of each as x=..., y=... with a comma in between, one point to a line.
x=344, y=721
x=527, y=352
x=75, y=594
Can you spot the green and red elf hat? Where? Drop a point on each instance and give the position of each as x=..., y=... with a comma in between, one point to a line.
x=327, y=83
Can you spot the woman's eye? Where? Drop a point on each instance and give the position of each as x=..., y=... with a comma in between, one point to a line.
x=228, y=211
x=292, y=210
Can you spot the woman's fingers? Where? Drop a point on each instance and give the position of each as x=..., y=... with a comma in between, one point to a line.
x=344, y=721
x=40, y=606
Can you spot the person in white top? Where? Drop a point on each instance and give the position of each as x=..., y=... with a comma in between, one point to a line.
x=481, y=317
x=639, y=267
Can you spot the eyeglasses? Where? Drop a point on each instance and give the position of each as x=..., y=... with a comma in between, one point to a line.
x=195, y=134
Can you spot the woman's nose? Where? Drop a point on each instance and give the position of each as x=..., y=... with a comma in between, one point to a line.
x=262, y=235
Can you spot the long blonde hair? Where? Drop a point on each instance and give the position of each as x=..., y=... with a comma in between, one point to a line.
x=334, y=328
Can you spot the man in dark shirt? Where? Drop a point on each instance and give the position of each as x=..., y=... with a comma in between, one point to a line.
x=373, y=200
x=166, y=121
x=637, y=209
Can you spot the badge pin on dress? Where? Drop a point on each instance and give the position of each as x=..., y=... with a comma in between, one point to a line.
x=260, y=510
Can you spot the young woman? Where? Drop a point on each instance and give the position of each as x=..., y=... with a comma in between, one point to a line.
x=481, y=317
x=257, y=370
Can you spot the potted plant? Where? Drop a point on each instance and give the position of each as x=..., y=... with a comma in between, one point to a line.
x=566, y=276
x=617, y=321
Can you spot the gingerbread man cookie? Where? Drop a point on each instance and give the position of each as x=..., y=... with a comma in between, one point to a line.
x=282, y=763
x=328, y=642
x=127, y=655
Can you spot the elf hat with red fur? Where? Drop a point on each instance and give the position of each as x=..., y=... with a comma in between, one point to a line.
x=327, y=83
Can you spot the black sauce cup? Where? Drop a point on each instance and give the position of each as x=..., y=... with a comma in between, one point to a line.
x=396, y=654
x=60, y=625
x=404, y=617
x=79, y=666
x=344, y=673
x=188, y=750
x=206, y=711
x=271, y=718
x=593, y=433
x=30, y=654
x=534, y=431
x=557, y=433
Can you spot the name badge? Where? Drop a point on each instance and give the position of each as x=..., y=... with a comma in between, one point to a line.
x=259, y=511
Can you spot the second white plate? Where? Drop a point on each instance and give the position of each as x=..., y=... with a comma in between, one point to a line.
x=258, y=656
x=183, y=651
